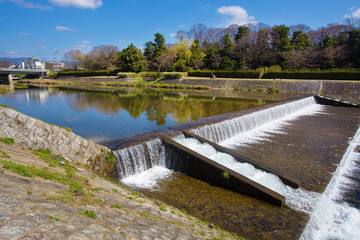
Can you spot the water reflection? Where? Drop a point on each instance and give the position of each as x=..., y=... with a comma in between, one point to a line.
x=103, y=115
x=157, y=105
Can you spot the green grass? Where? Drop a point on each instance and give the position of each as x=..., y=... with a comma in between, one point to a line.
x=7, y=140
x=54, y=160
x=118, y=206
x=110, y=159
x=77, y=193
x=89, y=213
x=163, y=208
x=4, y=154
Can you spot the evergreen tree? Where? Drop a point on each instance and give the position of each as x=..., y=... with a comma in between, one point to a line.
x=149, y=50
x=131, y=59
x=242, y=32
x=159, y=45
x=197, y=56
x=281, y=40
x=227, y=46
x=300, y=40
x=354, y=46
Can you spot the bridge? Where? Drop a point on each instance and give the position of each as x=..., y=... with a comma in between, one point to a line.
x=5, y=73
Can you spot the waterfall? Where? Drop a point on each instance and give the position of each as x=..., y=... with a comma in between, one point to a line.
x=221, y=131
x=333, y=218
x=139, y=158
x=297, y=199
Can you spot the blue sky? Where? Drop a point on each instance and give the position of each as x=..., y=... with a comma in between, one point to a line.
x=37, y=28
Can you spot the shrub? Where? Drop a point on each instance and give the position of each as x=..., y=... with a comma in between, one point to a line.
x=226, y=74
x=274, y=68
x=126, y=75
x=343, y=74
x=173, y=75
x=88, y=73
x=150, y=74
x=52, y=74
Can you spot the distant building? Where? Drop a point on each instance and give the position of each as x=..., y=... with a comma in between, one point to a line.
x=32, y=63
x=54, y=66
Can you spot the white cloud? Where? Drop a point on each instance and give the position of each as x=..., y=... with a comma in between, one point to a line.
x=31, y=5
x=235, y=15
x=356, y=14
x=182, y=25
x=83, y=47
x=93, y=4
x=62, y=28
x=172, y=34
x=22, y=34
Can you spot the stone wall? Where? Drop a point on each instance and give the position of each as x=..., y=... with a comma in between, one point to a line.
x=32, y=133
x=343, y=90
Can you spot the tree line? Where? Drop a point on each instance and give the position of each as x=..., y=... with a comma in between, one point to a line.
x=235, y=48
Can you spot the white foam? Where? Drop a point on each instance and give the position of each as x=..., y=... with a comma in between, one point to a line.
x=262, y=132
x=331, y=218
x=297, y=199
x=149, y=178
x=229, y=128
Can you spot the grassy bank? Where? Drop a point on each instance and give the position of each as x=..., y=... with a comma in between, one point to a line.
x=137, y=84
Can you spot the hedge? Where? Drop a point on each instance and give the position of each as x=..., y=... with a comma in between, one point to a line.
x=150, y=74
x=227, y=74
x=109, y=72
x=330, y=75
x=126, y=75
x=173, y=75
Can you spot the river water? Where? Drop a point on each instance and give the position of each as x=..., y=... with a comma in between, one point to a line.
x=107, y=114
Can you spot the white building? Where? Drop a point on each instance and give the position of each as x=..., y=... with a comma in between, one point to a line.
x=32, y=63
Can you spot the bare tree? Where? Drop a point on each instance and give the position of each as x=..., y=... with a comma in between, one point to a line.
x=71, y=58
x=299, y=27
x=5, y=63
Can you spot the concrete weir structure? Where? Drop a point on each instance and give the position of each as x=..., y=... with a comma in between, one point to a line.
x=135, y=157
x=196, y=165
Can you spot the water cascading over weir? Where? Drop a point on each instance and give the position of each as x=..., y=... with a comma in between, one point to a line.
x=194, y=149
x=161, y=150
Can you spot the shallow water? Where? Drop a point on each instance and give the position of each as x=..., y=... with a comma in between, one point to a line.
x=306, y=147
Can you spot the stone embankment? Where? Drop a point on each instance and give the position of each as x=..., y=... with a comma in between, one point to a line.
x=32, y=133
x=343, y=90
x=38, y=208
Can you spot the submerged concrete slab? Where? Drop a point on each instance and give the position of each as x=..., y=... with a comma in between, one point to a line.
x=197, y=166
x=334, y=102
x=285, y=179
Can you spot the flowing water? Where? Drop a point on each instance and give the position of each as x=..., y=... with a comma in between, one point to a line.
x=307, y=142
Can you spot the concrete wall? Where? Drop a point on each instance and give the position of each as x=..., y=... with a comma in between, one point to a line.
x=32, y=133
x=343, y=90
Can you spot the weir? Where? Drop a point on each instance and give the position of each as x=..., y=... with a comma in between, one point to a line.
x=223, y=130
x=198, y=166
x=310, y=170
x=285, y=179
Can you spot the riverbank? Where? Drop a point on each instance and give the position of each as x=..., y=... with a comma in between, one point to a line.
x=338, y=89
x=38, y=207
